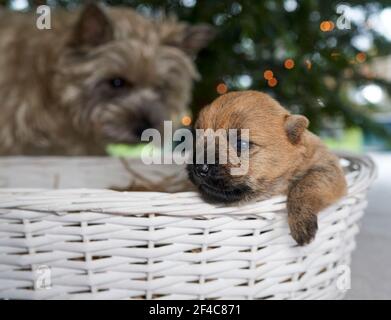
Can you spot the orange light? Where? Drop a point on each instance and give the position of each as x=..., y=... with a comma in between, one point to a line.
x=272, y=82
x=324, y=26
x=308, y=64
x=268, y=74
x=327, y=26
x=289, y=64
x=361, y=57
x=221, y=88
x=186, y=121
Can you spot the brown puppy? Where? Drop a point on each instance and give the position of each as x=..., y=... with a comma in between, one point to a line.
x=284, y=158
x=98, y=76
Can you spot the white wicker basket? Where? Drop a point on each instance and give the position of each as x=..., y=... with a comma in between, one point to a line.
x=103, y=244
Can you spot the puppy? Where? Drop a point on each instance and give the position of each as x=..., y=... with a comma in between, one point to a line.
x=283, y=158
x=98, y=76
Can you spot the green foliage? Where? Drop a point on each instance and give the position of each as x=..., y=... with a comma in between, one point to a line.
x=254, y=36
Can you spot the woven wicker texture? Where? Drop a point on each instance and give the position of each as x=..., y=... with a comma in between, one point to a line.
x=103, y=244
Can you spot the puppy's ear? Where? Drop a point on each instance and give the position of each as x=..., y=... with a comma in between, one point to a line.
x=93, y=27
x=295, y=125
x=197, y=37
x=189, y=38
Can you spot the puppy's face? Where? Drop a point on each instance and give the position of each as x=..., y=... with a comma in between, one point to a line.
x=271, y=152
x=121, y=73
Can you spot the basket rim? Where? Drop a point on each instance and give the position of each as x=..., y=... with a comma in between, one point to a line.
x=62, y=201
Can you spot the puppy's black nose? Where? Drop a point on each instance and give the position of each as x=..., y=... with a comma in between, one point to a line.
x=202, y=169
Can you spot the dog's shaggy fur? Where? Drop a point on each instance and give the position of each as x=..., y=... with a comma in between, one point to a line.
x=98, y=76
x=284, y=158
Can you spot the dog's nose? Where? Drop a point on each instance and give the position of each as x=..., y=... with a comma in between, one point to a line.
x=141, y=126
x=139, y=131
x=202, y=169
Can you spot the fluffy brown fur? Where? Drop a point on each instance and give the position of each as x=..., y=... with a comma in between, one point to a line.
x=284, y=158
x=98, y=76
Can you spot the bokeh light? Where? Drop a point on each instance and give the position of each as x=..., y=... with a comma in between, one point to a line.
x=308, y=64
x=289, y=64
x=19, y=4
x=222, y=88
x=327, y=26
x=272, y=82
x=268, y=74
x=373, y=93
x=186, y=121
x=361, y=57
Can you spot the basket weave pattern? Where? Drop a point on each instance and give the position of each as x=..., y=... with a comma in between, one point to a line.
x=102, y=244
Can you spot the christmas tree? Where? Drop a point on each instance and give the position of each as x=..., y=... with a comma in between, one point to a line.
x=301, y=52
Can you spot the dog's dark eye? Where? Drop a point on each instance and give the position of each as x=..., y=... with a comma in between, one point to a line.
x=118, y=83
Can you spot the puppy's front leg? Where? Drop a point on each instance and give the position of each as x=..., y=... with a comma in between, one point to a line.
x=318, y=188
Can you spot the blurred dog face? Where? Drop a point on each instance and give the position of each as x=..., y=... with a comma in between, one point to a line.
x=273, y=148
x=122, y=73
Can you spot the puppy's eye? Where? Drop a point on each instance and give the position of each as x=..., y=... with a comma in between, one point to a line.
x=243, y=145
x=118, y=83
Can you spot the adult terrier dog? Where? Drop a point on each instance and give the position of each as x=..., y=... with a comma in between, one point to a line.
x=283, y=158
x=97, y=77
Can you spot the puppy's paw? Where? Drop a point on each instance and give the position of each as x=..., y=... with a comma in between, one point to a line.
x=303, y=228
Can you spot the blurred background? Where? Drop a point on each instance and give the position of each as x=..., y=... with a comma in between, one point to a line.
x=328, y=60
